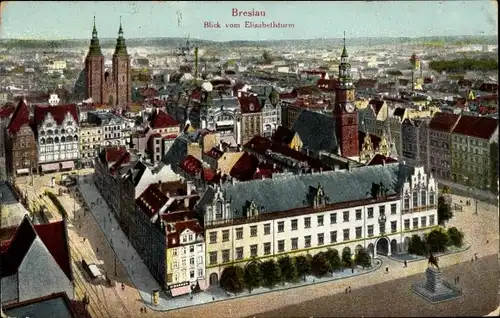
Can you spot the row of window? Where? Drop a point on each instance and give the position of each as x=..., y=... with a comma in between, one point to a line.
x=183, y=249
x=183, y=276
x=415, y=201
x=175, y=264
x=320, y=240
x=56, y=140
x=307, y=223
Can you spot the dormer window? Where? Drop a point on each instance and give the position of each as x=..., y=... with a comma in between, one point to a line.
x=218, y=210
x=69, y=123
x=174, y=241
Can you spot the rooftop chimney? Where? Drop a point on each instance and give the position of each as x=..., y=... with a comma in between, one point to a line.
x=189, y=187
x=383, y=162
x=186, y=203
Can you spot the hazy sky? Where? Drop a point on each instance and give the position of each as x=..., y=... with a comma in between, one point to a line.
x=63, y=20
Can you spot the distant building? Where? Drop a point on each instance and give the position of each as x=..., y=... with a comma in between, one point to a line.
x=440, y=128
x=251, y=117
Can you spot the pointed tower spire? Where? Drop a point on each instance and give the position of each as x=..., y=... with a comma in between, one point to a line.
x=120, y=30
x=120, y=48
x=95, y=47
x=344, y=51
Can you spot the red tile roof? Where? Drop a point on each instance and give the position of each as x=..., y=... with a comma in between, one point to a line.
x=305, y=90
x=7, y=110
x=160, y=119
x=54, y=237
x=125, y=158
x=114, y=153
x=148, y=92
x=174, y=230
x=291, y=95
x=249, y=104
x=151, y=200
x=379, y=159
x=473, y=126
x=215, y=153
x=59, y=112
x=191, y=165
x=171, y=136
x=244, y=169
x=20, y=118
x=327, y=84
x=443, y=121
x=283, y=135
x=210, y=175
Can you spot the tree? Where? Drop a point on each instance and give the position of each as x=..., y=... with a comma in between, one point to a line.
x=347, y=257
x=288, y=269
x=252, y=277
x=437, y=240
x=455, y=236
x=271, y=273
x=444, y=211
x=333, y=257
x=320, y=265
x=363, y=258
x=232, y=279
x=416, y=245
x=303, y=264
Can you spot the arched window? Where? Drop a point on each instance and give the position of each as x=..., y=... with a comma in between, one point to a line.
x=69, y=139
x=423, y=198
x=50, y=132
x=218, y=210
x=63, y=131
x=56, y=131
x=63, y=139
x=42, y=132
x=50, y=140
x=415, y=198
x=75, y=138
x=42, y=141
x=56, y=140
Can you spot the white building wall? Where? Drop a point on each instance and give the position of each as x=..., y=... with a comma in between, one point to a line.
x=187, y=259
x=58, y=149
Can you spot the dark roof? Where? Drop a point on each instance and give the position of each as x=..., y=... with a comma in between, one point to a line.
x=316, y=131
x=244, y=169
x=474, y=126
x=160, y=119
x=399, y=111
x=489, y=87
x=215, y=153
x=283, y=135
x=327, y=84
x=58, y=112
x=366, y=83
x=7, y=110
x=249, y=104
x=18, y=247
x=54, y=305
x=379, y=159
x=443, y=121
x=151, y=200
x=376, y=105
x=20, y=118
x=112, y=154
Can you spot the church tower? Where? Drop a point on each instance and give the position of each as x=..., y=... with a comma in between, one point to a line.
x=122, y=78
x=94, y=70
x=345, y=114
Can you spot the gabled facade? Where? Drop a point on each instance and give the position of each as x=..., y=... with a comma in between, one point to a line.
x=58, y=137
x=21, y=145
x=415, y=140
x=440, y=128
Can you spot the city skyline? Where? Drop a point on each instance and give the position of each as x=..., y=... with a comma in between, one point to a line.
x=186, y=19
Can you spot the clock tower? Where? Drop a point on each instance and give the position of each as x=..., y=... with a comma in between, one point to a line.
x=345, y=115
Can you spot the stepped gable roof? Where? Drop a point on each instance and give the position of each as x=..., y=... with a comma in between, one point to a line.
x=283, y=135
x=58, y=112
x=18, y=247
x=20, y=118
x=374, y=139
x=249, y=104
x=160, y=119
x=473, y=126
x=443, y=121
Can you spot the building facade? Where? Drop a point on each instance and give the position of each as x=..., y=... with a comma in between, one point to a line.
x=105, y=86
x=251, y=118
x=440, y=128
x=58, y=137
x=243, y=221
x=21, y=145
x=90, y=143
x=415, y=141
x=110, y=125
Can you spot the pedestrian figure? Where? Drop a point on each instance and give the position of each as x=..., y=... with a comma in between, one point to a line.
x=472, y=259
x=352, y=270
x=123, y=287
x=406, y=264
x=487, y=241
x=349, y=289
x=145, y=311
x=346, y=290
x=387, y=269
x=475, y=256
x=84, y=240
x=97, y=250
x=142, y=310
x=458, y=279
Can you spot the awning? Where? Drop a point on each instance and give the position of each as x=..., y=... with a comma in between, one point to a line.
x=50, y=167
x=23, y=171
x=180, y=290
x=68, y=164
x=202, y=283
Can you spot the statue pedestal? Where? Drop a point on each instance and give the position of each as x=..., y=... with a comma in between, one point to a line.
x=435, y=289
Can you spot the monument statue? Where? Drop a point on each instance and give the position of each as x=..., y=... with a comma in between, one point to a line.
x=433, y=261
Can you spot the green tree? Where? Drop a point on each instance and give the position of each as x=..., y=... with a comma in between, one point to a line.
x=437, y=240
x=363, y=258
x=288, y=269
x=347, y=257
x=455, y=236
x=253, y=276
x=303, y=264
x=266, y=57
x=320, y=265
x=416, y=245
x=271, y=273
x=333, y=257
x=232, y=279
x=444, y=211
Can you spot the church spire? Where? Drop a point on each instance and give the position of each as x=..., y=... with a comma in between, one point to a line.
x=120, y=48
x=95, y=47
x=344, y=51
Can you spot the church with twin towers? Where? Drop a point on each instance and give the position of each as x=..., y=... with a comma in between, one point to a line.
x=112, y=87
